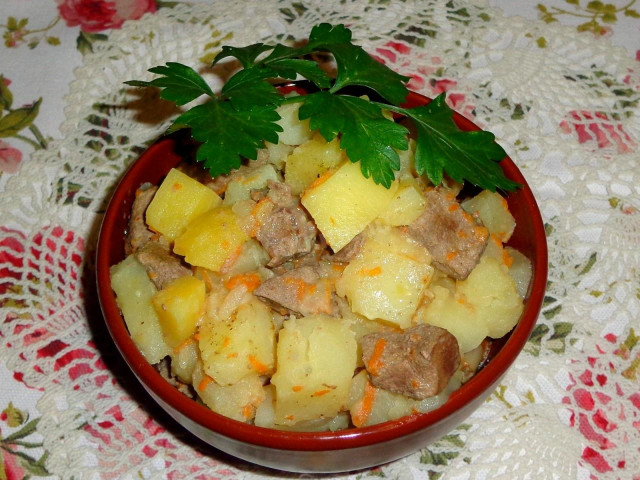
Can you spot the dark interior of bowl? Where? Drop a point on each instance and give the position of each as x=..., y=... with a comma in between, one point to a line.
x=153, y=165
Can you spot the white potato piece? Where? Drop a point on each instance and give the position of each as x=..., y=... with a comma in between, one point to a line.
x=455, y=314
x=133, y=289
x=278, y=153
x=386, y=279
x=492, y=292
x=240, y=187
x=316, y=359
x=295, y=131
x=493, y=211
x=238, y=346
x=520, y=270
x=184, y=360
x=407, y=204
x=238, y=401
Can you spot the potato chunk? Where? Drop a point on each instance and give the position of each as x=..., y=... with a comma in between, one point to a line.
x=407, y=205
x=240, y=187
x=310, y=160
x=179, y=307
x=134, y=290
x=485, y=304
x=493, y=211
x=178, y=201
x=294, y=130
x=343, y=204
x=238, y=401
x=316, y=359
x=212, y=239
x=386, y=279
x=241, y=345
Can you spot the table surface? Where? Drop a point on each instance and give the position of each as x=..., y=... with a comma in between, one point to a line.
x=556, y=81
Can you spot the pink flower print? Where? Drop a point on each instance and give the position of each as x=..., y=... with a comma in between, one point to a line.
x=598, y=126
x=10, y=158
x=12, y=468
x=638, y=55
x=442, y=85
x=96, y=15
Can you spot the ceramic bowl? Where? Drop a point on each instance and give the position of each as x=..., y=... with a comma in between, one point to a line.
x=344, y=450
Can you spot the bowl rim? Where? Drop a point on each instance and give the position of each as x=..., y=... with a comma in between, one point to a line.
x=317, y=441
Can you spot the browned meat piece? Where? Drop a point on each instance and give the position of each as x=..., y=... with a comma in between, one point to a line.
x=452, y=236
x=417, y=363
x=162, y=266
x=286, y=232
x=301, y=291
x=139, y=233
x=350, y=250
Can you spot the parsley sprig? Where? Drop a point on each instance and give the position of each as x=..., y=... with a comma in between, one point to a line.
x=235, y=123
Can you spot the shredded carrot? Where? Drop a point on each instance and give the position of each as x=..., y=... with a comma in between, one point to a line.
x=257, y=365
x=501, y=234
x=453, y=207
x=495, y=240
x=226, y=341
x=196, y=337
x=362, y=414
x=320, y=393
x=370, y=272
x=205, y=276
x=404, y=229
x=327, y=297
x=249, y=280
x=247, y=410
x=231, y=259
x=182, y=345
x=303, y=288
x=451, y=255
x=289, y=417
x=297, y=388
x=506, y=258
x=258, y=206
x=232, y=355
x=480, y=232
x=176, y=186
x=139, y=192
x=222, y=189
x=205, y=381
x=338, y=267
x=320, y=180
x=467, y=217
x=375, y=362
x=415, y=383
x=462, y=234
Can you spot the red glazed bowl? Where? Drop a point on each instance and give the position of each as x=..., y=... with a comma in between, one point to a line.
x=339, y=451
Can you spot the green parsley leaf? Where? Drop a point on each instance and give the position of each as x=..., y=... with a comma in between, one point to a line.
x=247, y=88
x=356, y=67
x=181, y=83
x=246, y=55
x=442, y=147
x=227, y=134
x=325, y=34
x=366, y=135
x=290, y=68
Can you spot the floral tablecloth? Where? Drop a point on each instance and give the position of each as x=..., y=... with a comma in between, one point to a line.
x=557, y=81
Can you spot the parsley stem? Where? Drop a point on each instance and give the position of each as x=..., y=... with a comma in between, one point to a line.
x=293, y=99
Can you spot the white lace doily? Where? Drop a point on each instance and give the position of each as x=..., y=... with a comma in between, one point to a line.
x=564, y=106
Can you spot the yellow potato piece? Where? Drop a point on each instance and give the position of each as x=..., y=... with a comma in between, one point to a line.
x=407, y=204
x=316, y=359
x=493, y=211
x=178, y=201
x=179, y=306
x=134, y=290
x=212, y=240
x=343, y=204
x=310, y=160
x=386, y=279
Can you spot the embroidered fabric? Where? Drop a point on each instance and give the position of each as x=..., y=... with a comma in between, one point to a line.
x=563, y=105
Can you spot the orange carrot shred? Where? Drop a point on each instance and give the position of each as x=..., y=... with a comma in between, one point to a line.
x=297, y=388
x=226, y=342
x=375, y=362
x=462, y=234
x=257, y=365
x=232, y=355
x=320, y=393
x=289, y=417
x=249, y=280
x=506, y=258
x=320, y=180
x=176, y=186
x=247, y=410
x=196, y=337
x=205, y=381
x=361, y=416
x=182, y=345
x=453, y=207
x=451, y=255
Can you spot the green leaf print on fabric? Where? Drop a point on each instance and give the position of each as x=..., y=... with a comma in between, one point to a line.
x=16, y=33
x=594, y=12
x=14, y=121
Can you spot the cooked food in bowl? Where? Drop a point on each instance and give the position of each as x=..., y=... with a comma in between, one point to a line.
x=294, y=293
